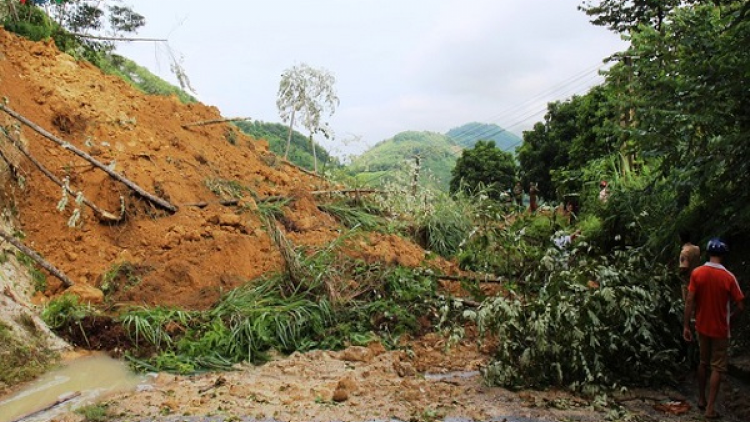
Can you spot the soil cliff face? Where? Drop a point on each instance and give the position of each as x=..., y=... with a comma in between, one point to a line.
x=186, y=258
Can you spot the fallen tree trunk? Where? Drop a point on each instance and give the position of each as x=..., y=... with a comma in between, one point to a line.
x=204, y=204
x=487, y=278
x=140, y=191
x=59, y=401
x=37, y=258
x=303, y=170
x=216, y=121
x=102, y=214
x=345, y=191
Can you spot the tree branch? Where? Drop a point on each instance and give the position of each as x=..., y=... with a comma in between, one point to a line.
x=215, y=121
x=102, y=214
x=97, y=37
x=37, y=258
x=140, y=191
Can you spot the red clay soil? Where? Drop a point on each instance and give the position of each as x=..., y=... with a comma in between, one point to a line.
x=184, y=259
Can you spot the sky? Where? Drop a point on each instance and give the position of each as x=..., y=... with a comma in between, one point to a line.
x=425, y=65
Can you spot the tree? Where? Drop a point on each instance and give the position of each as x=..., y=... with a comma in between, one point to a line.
x=625, y=15
x=688, y=85
x=307, y=92
x=573, y=133
x=486, y=165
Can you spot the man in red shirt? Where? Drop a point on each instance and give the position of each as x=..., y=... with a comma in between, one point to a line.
x=711, y=287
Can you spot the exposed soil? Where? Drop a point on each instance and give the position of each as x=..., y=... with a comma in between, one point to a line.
x=188, y=258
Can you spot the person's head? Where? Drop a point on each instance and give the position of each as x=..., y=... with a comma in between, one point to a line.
x=685, y=237
x=602, y=184
x=716, y=248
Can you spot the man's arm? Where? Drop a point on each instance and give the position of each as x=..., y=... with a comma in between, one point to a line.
x=689, y=308
x=737, y=310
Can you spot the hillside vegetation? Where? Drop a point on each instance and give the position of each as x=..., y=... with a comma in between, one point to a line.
x=300, y=151
x=396, y=158
x=466, y=136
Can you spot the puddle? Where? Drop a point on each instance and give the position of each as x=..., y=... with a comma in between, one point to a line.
x=78, y=382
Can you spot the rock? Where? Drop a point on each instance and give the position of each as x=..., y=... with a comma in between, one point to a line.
x=72, y=256
x=404, y=369
x=232, y=220
x=356, y=354
x=87, y=294
x=348, y=384
x=340, y=395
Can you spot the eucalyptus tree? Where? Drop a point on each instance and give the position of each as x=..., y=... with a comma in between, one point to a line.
x=305, y=94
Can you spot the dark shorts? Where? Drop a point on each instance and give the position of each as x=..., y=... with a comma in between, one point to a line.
x=714, y=352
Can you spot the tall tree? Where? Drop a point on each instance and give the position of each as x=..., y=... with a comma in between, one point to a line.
x=573, y=133
x=305, y=93
x=484, y=165
x=688, y=85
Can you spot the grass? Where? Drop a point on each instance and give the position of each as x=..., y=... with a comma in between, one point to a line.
x=21, y=361
x=95, y=413
x=272, y=208
x=227, y=188
x=120, y=276
x=353, y=215
x=37, y=276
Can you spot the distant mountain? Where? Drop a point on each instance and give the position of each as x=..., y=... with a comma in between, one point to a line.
x=394, y=158
x=467, y=136
x=300, y=151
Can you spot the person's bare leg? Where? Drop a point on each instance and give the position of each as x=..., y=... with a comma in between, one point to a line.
x=702, y=375
x=713, y=392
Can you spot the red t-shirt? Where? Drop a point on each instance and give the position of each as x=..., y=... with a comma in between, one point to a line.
x=713, y=285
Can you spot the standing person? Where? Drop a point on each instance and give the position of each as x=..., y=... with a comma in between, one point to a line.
x=518, y=194
x=603, y=191
x=711, y=287
x=690, y=258
x=532, y=196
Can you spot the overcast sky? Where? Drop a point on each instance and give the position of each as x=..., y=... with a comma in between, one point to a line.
x=399, y=65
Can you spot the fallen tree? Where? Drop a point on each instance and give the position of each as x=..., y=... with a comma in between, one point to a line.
x=100, y=213
x=37, y=258
x=162, y=203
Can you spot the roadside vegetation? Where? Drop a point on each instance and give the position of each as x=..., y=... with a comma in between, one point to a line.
x=598, y=311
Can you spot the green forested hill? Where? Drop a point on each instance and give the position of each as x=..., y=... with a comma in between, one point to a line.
x=394, y=159
x=300, y=152
x=469, y=134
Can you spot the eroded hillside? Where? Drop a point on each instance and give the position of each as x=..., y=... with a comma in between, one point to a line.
x=186, y=258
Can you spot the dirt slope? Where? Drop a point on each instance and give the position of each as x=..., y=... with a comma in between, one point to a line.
x=186, y=258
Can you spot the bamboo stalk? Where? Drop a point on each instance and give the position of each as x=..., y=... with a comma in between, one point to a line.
x=140, y=191
x=37, y=258
x=215, y=121
x=102, y=214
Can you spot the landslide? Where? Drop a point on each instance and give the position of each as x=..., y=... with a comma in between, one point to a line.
x=185, y=259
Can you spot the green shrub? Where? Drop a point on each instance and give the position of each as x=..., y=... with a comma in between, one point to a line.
x=583, y=336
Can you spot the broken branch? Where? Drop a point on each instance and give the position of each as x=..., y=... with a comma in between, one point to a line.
x=37, y=258
x=102, y=38
x=140, y=191
x=215, y=121
x=102, y=214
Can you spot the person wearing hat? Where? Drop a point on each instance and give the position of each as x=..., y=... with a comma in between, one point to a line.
x=709, y=292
